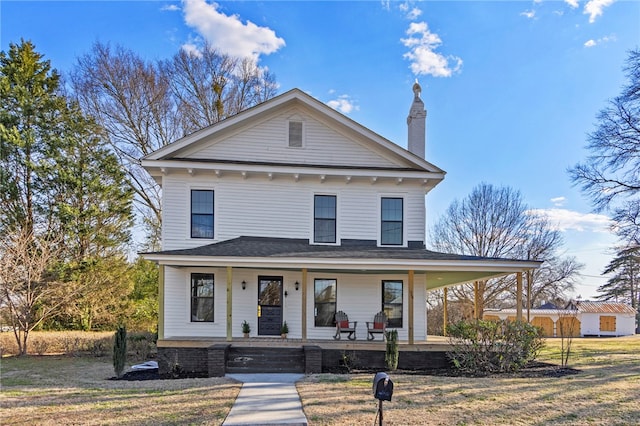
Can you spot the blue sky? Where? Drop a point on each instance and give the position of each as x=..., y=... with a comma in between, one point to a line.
x=511, y=87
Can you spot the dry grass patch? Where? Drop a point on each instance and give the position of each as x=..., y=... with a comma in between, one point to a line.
x=64, y=390
x=606, y=392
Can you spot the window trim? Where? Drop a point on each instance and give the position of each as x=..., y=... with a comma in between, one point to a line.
x=213, y=213
x=403, y=242
x=401, y=304
x=195, y=275
x=335, y=303
x=313, y=239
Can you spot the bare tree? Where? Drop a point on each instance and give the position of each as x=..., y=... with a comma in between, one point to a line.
x=145, y=105
x=566, y=329
x=30, y=290
x=609, y=176
x=495, y=222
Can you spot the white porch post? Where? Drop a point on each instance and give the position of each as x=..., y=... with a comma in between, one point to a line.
x=304, y=304
x=519, y=296
x=229, y=304
x=411, y=310
x=445, y=319
x=160, y=301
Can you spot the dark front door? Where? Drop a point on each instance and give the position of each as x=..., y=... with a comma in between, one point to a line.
x=269, y=306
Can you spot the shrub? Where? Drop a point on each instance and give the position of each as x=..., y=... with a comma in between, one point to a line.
x=119, y=351
x=481, y=347
x=391, y=354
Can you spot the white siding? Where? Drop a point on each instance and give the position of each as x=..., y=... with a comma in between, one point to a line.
x=590, y=324
x=268, y=142
x=359, y=295
x=282, y=207
x=177, y=321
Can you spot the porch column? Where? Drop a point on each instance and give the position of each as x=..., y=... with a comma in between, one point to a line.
x=519, y=296
x=304, y=304
x=411, y=299
x=161, y=302
x=529, y=278
x=476, y=304
x=229, y=303
x=445, y=320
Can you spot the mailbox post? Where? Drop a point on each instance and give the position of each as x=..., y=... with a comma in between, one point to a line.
x=382, y=391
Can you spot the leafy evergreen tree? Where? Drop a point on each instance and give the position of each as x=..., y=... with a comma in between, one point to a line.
x=60, y=182
x=624, y=285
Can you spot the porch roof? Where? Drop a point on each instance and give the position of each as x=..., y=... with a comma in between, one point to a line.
x=442, y=269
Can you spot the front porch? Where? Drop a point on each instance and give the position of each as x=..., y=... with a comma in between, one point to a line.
x=214, y=357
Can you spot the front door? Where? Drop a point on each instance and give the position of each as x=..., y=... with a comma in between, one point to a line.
x=269, y=306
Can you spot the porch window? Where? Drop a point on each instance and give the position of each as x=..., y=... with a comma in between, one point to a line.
x=201, y=213
x=391, y=226
x=324, y=220
x=325, y=302
x=392, y=302
x=201, y=297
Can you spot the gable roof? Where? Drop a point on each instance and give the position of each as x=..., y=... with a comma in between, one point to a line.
x=442, y=269
x=294, y=97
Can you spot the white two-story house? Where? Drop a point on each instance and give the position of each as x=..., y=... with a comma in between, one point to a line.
x=291, y=211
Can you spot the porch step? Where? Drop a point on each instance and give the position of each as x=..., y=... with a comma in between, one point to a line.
x=265, y=360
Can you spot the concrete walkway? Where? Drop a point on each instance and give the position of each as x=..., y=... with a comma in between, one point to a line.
x=266, y=399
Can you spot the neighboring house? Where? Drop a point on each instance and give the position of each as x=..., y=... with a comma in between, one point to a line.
x=584, y=318
x=290, y=211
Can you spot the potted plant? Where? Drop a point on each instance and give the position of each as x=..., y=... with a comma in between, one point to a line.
x=246, y=329
x=284, y=330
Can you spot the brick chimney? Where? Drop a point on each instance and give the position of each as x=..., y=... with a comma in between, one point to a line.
x=417, y=124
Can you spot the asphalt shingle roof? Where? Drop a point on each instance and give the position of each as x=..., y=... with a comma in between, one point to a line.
x=290, y=247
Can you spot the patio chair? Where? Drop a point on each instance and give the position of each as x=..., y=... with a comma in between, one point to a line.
x=378, y=326
x=343, y=325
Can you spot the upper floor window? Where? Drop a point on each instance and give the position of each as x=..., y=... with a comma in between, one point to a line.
x=202, y=297
x=391, y=222
x=295, y=134
x=201, y=213
x=324, y=219
x=392, y=302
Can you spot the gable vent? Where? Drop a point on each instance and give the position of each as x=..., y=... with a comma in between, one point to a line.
x=295, y=134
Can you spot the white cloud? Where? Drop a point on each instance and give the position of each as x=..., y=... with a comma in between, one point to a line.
x=558, y=201
x=229, y=34
x=169, y=8
x=572, y=3
x=601, y=40
x=594, y=8
x=530, y=14
x=192, y=50
x=424, y=60
x=343, y=104
x=413, y=14
x=564, y=220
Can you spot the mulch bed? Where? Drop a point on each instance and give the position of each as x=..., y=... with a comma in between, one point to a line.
x=532, y=370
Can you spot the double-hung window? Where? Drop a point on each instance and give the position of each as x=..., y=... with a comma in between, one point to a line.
x=325, y=302
x=392, y=302
x=324, y=219
x=201, y=213
x=201, y=297
x=391, y=221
